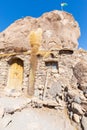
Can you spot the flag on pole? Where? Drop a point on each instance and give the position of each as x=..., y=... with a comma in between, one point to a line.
x=64, y=4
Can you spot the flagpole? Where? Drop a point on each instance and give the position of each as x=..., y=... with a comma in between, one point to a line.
x=63, y=5
x=62, y=8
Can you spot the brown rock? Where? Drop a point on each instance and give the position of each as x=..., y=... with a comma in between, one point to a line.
x=56, y=76
x=80, y=72
x=84, y=122
x=76, y=118
x=50, y=103
x=55, y=26
x=76, y=108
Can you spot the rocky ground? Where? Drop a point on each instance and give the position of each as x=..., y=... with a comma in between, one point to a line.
x=17, y=113
x=32, y=114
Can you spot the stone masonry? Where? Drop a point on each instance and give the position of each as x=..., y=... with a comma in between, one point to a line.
x=57, y=71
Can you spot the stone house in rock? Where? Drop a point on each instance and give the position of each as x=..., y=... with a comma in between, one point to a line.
x=54, y=59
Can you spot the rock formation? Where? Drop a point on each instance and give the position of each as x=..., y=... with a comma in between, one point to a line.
x=47, y=49
x=55, y=25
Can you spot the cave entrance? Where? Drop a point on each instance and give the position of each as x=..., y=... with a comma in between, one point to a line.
x=15, y=76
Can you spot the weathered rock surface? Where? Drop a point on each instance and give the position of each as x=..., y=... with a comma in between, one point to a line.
x=11, y=105
x=76, y=118
x=76, y=108
x=5, y=121
x=1, y=111
x=84, y=123
x=55, y=25
x=80, y=71
x=36, y=119
x=66, y=88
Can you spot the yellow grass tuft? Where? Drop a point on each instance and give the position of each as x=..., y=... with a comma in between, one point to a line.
x=35, y=37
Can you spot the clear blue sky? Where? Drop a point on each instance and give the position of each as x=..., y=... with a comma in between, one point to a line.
x=11, y=10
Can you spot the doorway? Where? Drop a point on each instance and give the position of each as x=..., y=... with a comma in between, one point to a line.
x=51, y=76
x=15, y=76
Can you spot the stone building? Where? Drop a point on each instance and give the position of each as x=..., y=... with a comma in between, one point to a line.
x=39, y=58
x=57, y=55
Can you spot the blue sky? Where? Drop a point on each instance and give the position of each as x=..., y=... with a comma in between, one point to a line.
x=11, y=10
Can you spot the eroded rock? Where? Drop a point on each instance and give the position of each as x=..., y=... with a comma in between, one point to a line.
x=1, y=111
x=84, y=123
x=76, y=118
x=80, y=71
x=11, y=105
x=55, y=25
x=6, y=120
x=76, y=108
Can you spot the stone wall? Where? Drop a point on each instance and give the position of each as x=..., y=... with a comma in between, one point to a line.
x=64, y=76
x=40, y=79
x=56, y=82
x=4, y=70
x=26, y=71
x=47, y=82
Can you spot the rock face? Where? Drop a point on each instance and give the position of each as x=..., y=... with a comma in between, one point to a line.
x=80, y=71
x=55, y=25
x=84, y=122
x=56, y=69
x=34, y=119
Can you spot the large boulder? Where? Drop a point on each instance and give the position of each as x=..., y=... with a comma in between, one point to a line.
x=60, y=30
x=80, y=72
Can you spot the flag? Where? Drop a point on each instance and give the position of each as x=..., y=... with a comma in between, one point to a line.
x=64, y=4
